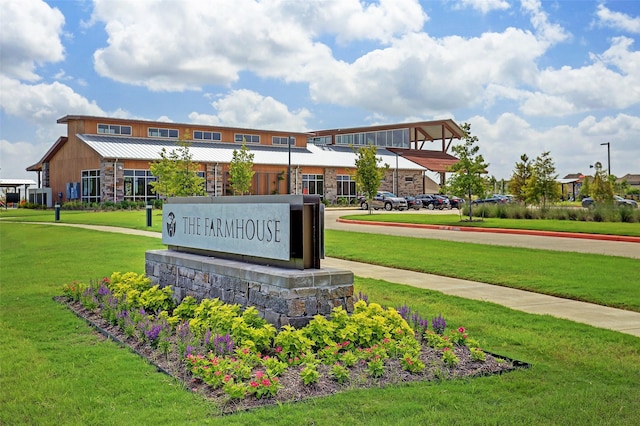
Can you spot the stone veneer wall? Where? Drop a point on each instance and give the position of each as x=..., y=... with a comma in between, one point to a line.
x=282, y=296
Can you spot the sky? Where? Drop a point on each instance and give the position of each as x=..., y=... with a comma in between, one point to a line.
x=529, y=76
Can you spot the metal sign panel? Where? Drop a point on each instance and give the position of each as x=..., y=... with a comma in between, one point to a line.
x=260, y=229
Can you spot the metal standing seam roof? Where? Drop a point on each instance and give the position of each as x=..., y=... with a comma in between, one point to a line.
x=130, y=148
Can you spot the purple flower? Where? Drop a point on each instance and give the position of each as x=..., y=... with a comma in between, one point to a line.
x=223, y=345
x=103, y=290
x=405, y=312
x=439, y=324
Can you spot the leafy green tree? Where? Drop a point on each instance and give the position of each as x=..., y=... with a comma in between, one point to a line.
x=542, y=185
x=467, y=178
x=369, y=173
x=176, y=172
x=521, y=174
x=241, y=170
x=601, y=189
x=620, y=188
x=585, y=188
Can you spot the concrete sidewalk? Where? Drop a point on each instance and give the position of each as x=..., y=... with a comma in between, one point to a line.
x=587, y=313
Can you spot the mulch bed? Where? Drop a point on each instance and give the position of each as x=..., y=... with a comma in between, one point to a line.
x=293, y=389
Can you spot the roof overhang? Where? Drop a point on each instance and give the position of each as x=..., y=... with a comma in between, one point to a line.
x=436, y=161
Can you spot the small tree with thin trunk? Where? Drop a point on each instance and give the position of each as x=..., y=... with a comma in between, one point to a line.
x=176, y=172
x=542, y=185
x=467, y=177
x=241, y=170
x=521, y=174
x=369, y=173
x=601, y=188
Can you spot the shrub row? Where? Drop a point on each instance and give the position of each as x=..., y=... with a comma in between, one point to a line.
x=239, y=352
x=594, y=214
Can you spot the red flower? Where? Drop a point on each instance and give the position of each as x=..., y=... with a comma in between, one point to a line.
x=254, y=384
x=259, y=374
x=461, y=330
x=279, y=349
x=266, y=382
x=227, y=377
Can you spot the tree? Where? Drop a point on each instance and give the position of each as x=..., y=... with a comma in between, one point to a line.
x=176, y=172
x=241, y=170
x=601, y=188
x=521, y=174
x=585, y=188
x=542, y=184
x=467, y=177
x=368, y=172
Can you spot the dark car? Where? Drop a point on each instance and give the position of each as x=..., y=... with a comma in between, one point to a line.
x=618, y=200
x=455, y=202
x=431, y=201
x=413, y=203
x=490, y=200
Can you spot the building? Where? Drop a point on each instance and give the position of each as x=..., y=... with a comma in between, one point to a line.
x=107, y=159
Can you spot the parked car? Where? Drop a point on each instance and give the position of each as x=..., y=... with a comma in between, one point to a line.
x=618, y=200
x=413, y=203
x=455, y=202
x=385, y=200
x=431, y=201
x=490, y=200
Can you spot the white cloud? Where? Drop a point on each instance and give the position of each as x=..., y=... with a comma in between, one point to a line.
x=484, y=6
x=245, y=108
x=597, y=86
x=15, y=157
x=177, y=46
x=617, y=20
x=572, y=147
x=419, y=74
x=551, y=33
x=42, y=104
x=29, y=36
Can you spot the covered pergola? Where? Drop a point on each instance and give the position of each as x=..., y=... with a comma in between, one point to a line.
x=16, y=185
x=421, y=135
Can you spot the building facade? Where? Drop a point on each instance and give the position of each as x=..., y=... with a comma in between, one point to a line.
x=108, y=159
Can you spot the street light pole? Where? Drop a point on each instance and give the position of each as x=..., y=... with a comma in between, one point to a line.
x=608, y=144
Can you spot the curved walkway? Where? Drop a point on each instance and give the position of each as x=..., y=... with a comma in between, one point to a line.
x=596, y=244
x=596, y=315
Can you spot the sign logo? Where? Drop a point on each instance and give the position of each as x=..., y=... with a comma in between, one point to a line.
x=171, y=224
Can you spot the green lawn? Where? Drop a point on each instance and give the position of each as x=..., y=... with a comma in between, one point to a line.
x=56, y=370
x=579, y=276
x=453, y=219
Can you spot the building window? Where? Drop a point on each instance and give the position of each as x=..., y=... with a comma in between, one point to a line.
x=240, y=138
x=207, y=136
x=320, y=140
x=313, y=185
x=347, y=188
x=282, y=140
x=398, y=138
x=162, y=133
x=90, y=183
x=137, y=185
x=114, y=129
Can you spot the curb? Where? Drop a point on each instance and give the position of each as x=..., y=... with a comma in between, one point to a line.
x=601, y=237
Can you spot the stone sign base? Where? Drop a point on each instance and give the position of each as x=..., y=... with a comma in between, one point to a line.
x=282, y=296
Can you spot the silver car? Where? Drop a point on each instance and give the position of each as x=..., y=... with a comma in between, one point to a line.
x=385, y=200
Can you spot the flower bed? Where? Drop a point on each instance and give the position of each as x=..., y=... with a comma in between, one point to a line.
x=239, y=361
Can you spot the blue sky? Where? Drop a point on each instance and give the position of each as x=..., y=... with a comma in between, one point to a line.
x=529, y=76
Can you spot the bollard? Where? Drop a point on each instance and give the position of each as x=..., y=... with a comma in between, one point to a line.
x=149, y=209
x=57, y=212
